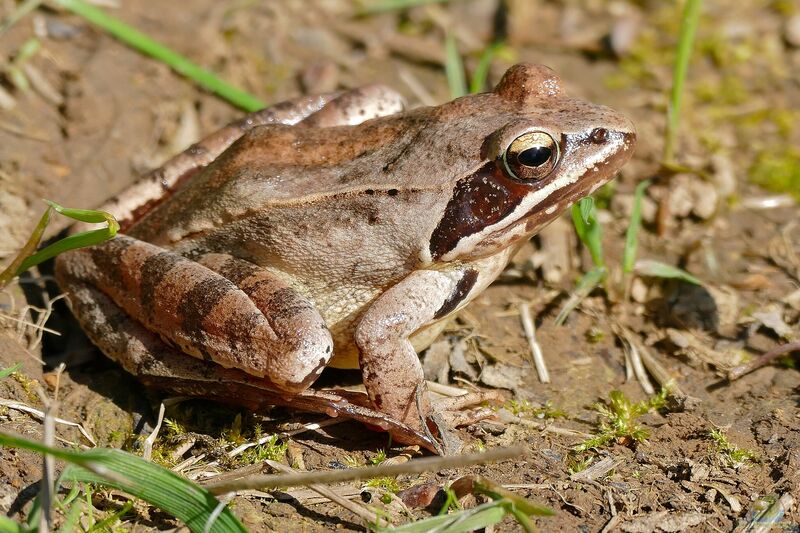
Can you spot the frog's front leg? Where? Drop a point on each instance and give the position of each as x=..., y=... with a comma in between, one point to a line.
x=391, y=369
x=219, y=308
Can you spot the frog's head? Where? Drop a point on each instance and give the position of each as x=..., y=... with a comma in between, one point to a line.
x=550, y=151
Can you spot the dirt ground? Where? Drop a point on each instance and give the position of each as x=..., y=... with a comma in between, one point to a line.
x=97, y=114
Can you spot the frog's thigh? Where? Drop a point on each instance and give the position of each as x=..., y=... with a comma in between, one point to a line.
x=390, y=366
x=356, y=106
x=205, y=314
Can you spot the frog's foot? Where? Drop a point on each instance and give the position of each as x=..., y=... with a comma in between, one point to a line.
x=436, y=434
x=467, y=409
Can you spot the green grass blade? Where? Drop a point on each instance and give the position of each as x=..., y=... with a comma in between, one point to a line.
x=586, y=285
x=632, y=234
x=478, y=81
x=458, y=522
x=522, y=519
x=588, y=228
x=587, y=207
x=106, y=523
x=657, y=269
x=86, y=215
x=18, y=14
x=689, y=22
x=495, y=491
x=79, y=240
x=71, y=520
x=144, y=44
x=9, y=526
x=5, y=372
x=13, y=269
x=154, y=484
x=381, y=6
x=454, y=68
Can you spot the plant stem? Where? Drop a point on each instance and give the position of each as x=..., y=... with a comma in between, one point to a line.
x=691, y=16
x=148, y=46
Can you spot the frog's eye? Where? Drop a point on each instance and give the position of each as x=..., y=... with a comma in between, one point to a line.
x=531, y=156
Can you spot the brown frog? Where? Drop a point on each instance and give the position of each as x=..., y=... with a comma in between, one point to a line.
x=335, y=230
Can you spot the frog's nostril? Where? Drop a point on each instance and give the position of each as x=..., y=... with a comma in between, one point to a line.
x=630, y=137
x=599, y=135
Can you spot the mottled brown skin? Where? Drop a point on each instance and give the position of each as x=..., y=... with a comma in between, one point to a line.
x=317, y=235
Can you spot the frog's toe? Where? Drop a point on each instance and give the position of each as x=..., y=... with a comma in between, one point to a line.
x=470, y=399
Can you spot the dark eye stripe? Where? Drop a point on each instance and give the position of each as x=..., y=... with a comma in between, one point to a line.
x=479, y=200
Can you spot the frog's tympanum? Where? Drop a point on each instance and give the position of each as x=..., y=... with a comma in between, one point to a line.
x=335, y=230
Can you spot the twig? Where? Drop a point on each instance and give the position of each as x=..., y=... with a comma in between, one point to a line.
x=307, y=427
x=739, y=371
x=147, y=449
x=212, y=518
x=764, y=521
x=445, y=390
x=415, y=466
x=48, y=462
x=18, y=14
x=635, y=359
x=612, y=523
x=41, y=415
x=48, y=465
x=536, y=350
x=370, y=517
x=611, y=505
x=28, y=322
x=241, y=448
x=659, y=373
x=507, y=417
x=416, y=87
x=595, y=471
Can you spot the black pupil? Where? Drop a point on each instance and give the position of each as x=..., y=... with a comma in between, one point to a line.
x=535, y=156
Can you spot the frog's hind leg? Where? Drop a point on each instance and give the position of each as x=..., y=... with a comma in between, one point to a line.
x=255, y=322
x=356, y=106
x=156, y=364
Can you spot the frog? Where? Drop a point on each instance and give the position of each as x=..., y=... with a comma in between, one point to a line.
x=338, y=230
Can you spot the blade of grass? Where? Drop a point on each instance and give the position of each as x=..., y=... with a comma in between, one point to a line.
x=690, y=19
x=79, y=240
x=657, y=269
x=632, y=234
x=382, y=6
x=181, y=498
x=454, y=68
x=5, y=372
x=459, y=522
x=9, y=526
x=589, y=229
x=72, y=516
x=144, y=44
x=478, y=81
x=495, y=491
x=28, y=249
x=23, y=9
x=106, y=523
x=585, y=286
